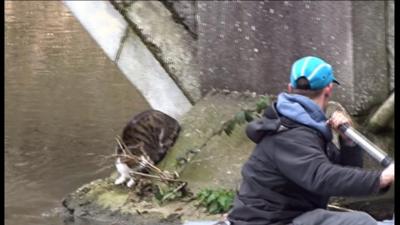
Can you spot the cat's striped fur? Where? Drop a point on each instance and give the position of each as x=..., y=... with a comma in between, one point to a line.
x=148, y=135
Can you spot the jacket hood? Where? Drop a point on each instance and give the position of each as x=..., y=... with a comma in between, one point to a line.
x=269, y=123
x=296, y=108
x=305, y=111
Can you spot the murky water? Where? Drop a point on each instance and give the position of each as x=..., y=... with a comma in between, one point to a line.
x=64, y=104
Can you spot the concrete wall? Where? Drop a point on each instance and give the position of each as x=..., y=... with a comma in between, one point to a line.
x=184, y=12
x=371, y=75
x=390, y=39
x=250, y=45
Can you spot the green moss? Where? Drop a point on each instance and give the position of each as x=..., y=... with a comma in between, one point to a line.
x=112, y=199
x=204, y=121
x=218, y=164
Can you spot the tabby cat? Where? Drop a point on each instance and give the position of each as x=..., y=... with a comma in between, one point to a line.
x=147, y=135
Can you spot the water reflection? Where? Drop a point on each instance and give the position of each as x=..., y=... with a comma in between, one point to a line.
x=64, y=103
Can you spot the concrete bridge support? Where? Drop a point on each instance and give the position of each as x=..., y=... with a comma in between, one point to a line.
x=250, y=45
x=122, y=45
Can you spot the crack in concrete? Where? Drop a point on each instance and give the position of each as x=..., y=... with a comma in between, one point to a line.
x=179, y=19
x=189, y=155
x=121, y=45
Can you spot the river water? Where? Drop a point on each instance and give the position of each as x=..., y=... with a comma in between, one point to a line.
x=65, y=101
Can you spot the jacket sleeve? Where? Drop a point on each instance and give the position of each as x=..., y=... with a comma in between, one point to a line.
x=350, y=155
x=302, y=160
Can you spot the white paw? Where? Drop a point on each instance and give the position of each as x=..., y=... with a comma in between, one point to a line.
x=130, y=183
x=120, y=180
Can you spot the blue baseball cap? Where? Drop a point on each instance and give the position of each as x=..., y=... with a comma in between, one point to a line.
x=318, y=73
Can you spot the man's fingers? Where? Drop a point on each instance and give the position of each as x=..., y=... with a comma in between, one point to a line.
x=339, y=118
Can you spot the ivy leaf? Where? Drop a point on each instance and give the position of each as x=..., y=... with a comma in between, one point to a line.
x=212, y=197
x=202, y=196
x=213, y=208
x=216, y=201
x=248, y=116
x=158, y=196
x=240, y=117
x=223, y=201
x=262, y=104
x=230, y=126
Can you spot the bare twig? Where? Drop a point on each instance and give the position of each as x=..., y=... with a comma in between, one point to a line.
x=104, y=168
x=174, y=191
x=153, y=176
x=146, y=163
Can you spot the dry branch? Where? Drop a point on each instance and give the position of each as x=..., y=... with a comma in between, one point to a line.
x=161, y=175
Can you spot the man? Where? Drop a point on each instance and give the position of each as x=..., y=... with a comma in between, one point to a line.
x=295, y=167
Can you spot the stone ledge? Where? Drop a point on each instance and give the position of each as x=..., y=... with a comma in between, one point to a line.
x=101, y=200
x=216, y=164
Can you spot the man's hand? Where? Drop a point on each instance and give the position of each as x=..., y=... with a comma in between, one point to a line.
x=387, y=176
x=338, y=118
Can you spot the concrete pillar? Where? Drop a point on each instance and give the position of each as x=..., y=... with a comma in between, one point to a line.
x=370, y=75
x=111, y=31
x=390, y=39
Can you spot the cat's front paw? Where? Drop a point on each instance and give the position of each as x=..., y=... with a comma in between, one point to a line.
x=120, y=180
x=130, y=183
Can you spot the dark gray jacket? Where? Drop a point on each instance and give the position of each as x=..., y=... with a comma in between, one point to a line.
x=293, y=170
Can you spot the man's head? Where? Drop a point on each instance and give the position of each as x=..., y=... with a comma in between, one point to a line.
x=312, y=77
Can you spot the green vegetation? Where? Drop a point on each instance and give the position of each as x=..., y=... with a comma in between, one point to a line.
x=218, y=200
x=215, y=201
x=247, y=115
x=170, y=191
